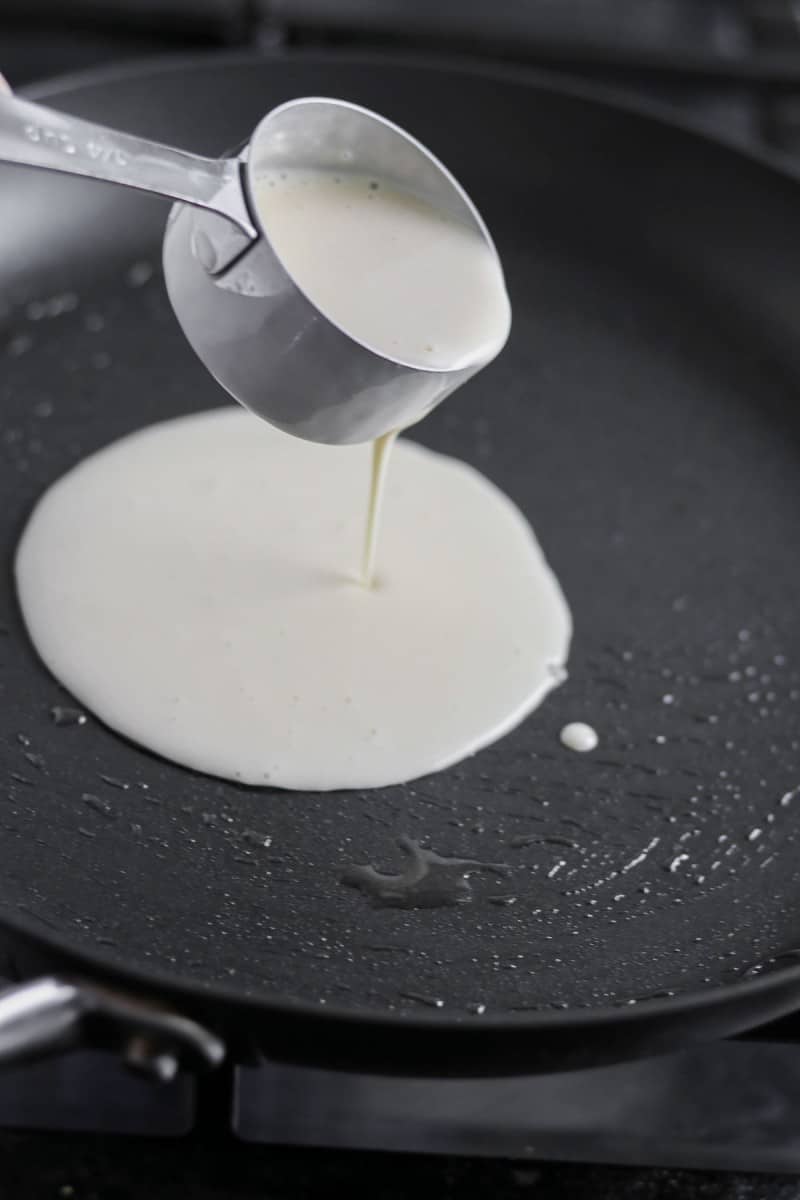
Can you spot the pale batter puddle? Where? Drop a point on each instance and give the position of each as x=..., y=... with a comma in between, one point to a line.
x=207, y=588
x=198, y=586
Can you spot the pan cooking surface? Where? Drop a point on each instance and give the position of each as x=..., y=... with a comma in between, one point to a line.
x=645, y=417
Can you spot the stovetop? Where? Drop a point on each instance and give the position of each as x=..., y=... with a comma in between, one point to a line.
x=276, y=1132
x=724, y=1106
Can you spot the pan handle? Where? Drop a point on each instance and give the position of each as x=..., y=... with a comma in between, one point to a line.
x=50, y=1015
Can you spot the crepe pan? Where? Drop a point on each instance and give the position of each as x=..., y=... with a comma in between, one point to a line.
x=645, y=416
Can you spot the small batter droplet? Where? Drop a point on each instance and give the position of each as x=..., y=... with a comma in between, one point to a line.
x=580, y=737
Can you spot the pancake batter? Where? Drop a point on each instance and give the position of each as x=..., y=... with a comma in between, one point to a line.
x=197, y=585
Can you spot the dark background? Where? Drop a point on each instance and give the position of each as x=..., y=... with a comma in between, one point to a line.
x=733, y=65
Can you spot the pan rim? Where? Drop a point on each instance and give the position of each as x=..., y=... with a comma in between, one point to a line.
x=603, y=1017
x=785, y=981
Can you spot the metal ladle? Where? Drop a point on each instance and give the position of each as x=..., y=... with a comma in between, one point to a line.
x=257, y=333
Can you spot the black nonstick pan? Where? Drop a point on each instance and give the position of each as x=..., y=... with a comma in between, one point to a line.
x=646, y=416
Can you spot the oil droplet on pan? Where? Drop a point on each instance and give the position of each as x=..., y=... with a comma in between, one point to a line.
x=64, y=715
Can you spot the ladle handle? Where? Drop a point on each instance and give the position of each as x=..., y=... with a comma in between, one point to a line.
x=35, y=136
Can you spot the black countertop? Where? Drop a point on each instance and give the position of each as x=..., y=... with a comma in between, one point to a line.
x=72, y=1167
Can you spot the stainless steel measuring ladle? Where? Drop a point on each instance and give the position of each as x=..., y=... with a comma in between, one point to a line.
x=257, y=333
